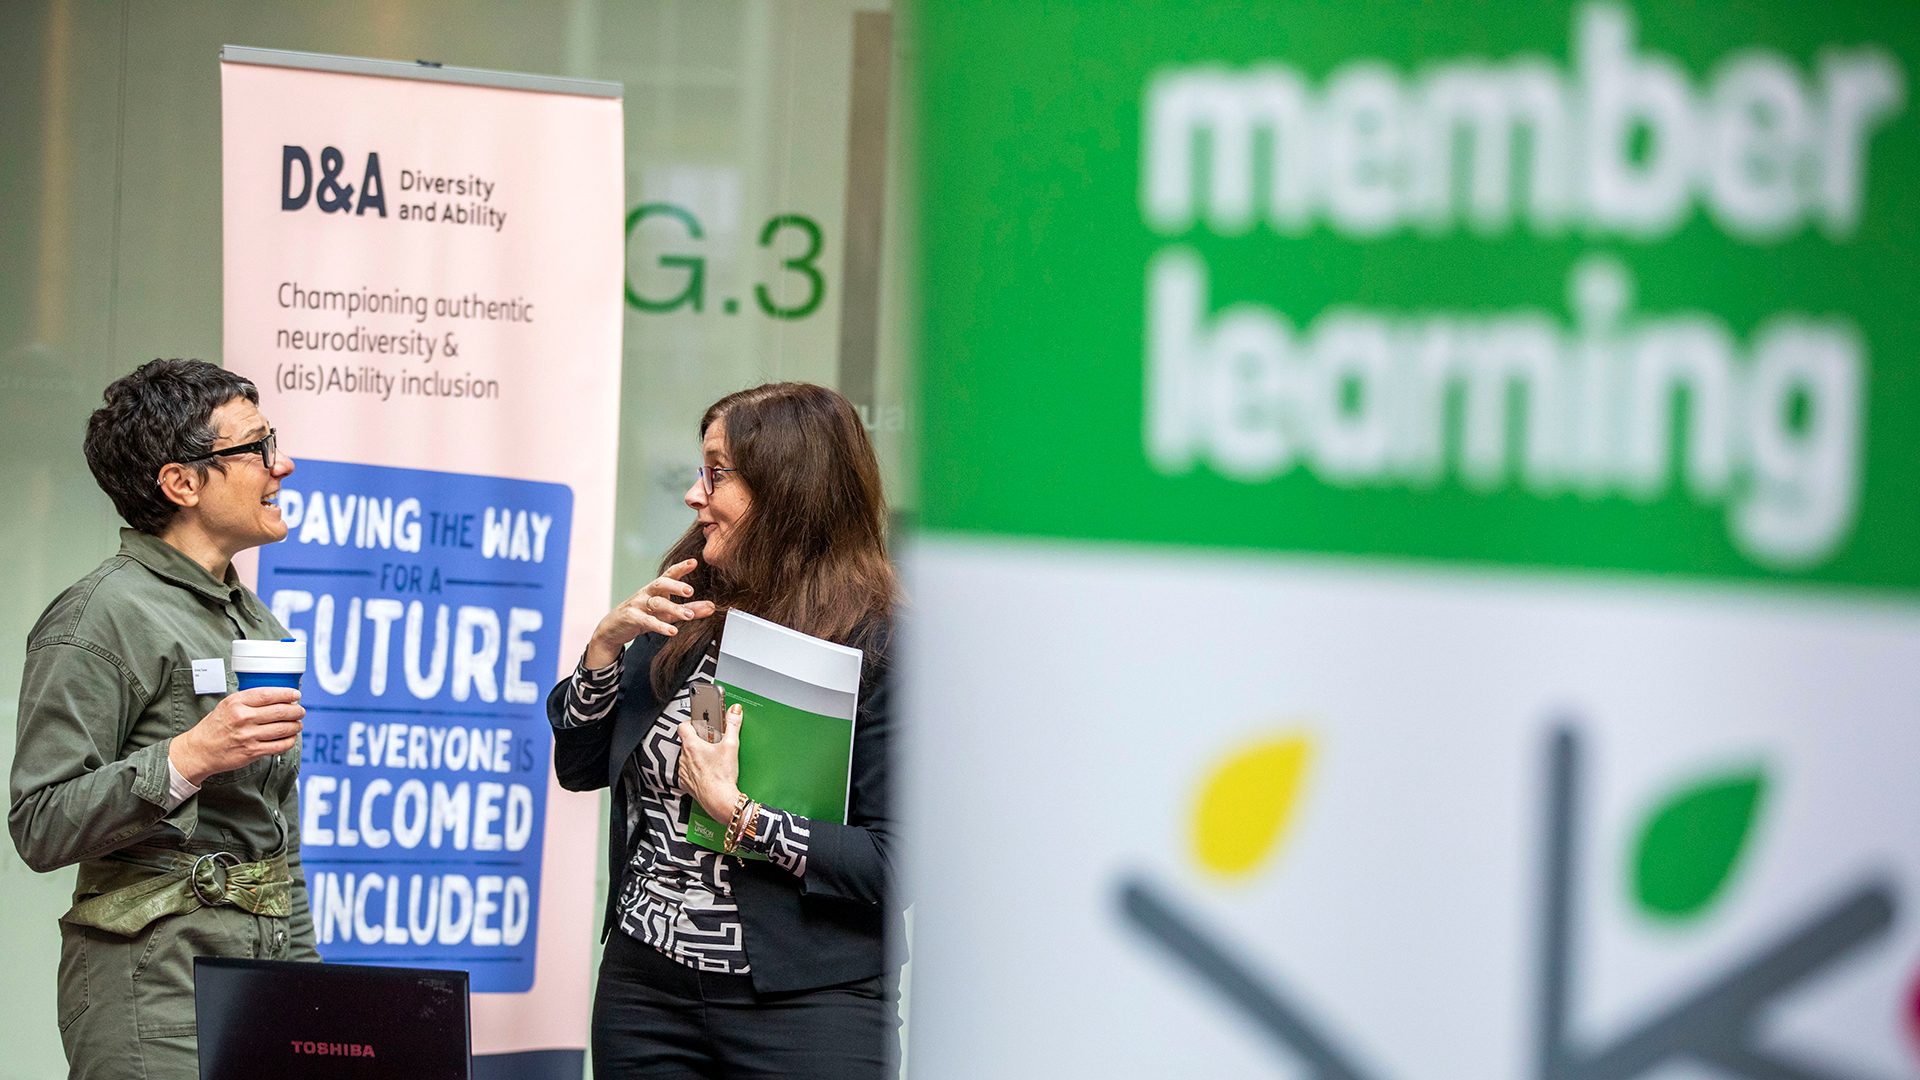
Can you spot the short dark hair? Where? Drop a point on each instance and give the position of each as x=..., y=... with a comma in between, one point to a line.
x=162, y=412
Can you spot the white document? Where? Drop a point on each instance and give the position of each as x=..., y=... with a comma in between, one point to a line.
x=753, y=648
x=800, y=694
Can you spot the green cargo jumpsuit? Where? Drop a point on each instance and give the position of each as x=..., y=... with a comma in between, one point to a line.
x=108, y=684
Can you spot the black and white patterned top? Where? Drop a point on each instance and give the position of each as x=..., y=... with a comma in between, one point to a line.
x=676, y=895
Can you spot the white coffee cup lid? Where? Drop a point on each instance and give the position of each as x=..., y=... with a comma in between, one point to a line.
x=269, y=656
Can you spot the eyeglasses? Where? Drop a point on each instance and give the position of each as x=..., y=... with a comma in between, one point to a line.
x=264, y=447
x=710, y=475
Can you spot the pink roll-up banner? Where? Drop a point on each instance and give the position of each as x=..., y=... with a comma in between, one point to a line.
x=423, y=276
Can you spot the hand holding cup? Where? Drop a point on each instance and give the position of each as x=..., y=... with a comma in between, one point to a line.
x=262, y=718
x=246, y=725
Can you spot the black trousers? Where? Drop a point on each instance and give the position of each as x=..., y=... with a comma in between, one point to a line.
x=655, y=1017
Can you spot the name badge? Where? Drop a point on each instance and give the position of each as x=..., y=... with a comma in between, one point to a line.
x=210, y=676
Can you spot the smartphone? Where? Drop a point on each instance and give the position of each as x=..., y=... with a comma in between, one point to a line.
x=709, y=712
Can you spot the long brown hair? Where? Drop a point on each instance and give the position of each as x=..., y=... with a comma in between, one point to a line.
x=811, y=550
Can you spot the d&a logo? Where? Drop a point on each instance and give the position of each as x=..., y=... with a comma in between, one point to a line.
x=328, y=193
x=1686, y=849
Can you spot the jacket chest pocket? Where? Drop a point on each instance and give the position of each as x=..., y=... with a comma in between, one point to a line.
x=189, y=708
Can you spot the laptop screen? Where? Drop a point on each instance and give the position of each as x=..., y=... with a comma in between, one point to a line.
x=291, y=1021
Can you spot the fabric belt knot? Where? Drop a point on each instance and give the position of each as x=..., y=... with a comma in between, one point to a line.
x=156, y=882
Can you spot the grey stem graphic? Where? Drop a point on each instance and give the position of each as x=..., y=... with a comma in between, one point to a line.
x=1764, y=1064
x=1559, y=867
x=1717, y=1023
x=1257, y=999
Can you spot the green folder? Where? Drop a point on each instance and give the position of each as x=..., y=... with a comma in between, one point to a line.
x=798, y=694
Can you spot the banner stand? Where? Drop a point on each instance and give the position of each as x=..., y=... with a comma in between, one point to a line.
x=422, y=274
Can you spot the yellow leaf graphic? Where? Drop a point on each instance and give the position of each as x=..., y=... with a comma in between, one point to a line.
x=1247, y=804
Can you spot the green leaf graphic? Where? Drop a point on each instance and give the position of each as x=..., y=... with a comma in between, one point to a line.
x=1690, y=844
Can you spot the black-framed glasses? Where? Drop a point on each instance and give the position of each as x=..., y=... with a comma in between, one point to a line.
x=266, y=448
x=710, y=475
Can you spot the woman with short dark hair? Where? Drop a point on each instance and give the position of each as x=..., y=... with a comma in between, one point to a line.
x=716, y=965
x=135, y=763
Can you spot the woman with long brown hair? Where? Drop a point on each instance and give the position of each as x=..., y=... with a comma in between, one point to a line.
x=715, y=965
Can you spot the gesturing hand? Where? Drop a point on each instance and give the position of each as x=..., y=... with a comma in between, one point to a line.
x=710, y=771
x=660, y=603
x=246, y=725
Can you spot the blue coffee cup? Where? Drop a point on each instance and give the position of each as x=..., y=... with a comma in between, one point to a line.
x=269, y=663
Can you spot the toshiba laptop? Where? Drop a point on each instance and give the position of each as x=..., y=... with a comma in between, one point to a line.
x=292, y=1021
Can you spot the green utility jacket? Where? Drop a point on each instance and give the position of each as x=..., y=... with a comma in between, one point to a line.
x=108, y=684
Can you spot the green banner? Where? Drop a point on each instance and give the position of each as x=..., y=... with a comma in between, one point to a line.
x=1595, y=287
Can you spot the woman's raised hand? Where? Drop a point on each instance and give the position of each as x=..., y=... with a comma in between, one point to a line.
x=656, y=608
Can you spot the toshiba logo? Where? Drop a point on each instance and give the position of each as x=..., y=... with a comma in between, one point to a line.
x=332, y=1049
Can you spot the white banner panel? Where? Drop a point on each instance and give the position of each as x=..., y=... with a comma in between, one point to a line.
x=1258, y=816
x=424, y=279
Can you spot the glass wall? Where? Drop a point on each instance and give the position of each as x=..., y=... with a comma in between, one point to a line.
x=762, y=144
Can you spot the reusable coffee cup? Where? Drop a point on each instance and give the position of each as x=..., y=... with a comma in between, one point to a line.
x=269, y=663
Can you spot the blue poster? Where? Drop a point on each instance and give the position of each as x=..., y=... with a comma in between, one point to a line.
x=430, y=603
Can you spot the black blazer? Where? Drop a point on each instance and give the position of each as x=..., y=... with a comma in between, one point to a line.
x=840, y=922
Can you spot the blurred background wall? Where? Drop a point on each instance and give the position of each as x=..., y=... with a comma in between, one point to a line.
x=737, y=113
